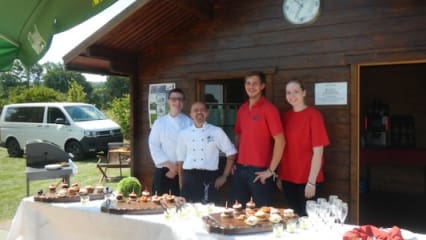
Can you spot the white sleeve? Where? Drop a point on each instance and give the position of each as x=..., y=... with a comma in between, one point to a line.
x=181, y=148
x=224, y=144
x=155, y=147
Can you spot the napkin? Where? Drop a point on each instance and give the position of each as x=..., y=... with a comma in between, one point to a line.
x=370, y=232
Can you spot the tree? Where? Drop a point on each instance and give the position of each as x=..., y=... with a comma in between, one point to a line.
x=98, y=98
x=35, y=94
x=120, y=110
x=116, y=87
x=35, y=74
x=22, y=75
x=76, y=93
x=11, y=79
x=58, y=78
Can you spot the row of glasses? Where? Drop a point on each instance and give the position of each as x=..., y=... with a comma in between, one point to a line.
x=325, y=213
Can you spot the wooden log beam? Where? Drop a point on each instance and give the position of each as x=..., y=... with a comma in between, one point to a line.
x=203, y=9
x=122, y=63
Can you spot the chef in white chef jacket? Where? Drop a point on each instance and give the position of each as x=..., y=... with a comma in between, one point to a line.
x=197, y=151
x=162, y=144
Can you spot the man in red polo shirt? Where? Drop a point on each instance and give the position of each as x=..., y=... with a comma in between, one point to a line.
x=260, y=140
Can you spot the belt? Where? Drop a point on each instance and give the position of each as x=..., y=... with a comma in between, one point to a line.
x=198, y=170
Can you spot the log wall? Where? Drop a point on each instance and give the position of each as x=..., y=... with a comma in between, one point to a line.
x=247, y=35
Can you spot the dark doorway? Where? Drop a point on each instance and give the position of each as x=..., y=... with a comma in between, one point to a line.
x=393, y=146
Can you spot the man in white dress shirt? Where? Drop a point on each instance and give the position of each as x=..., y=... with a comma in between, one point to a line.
x=198, y=157
x=163, y=141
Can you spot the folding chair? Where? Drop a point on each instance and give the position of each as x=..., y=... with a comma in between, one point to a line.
x=118, y=156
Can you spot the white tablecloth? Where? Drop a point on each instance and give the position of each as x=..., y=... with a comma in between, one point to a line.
x=36, y=220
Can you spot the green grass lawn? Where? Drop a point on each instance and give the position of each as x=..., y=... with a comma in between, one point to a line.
x=13, y=186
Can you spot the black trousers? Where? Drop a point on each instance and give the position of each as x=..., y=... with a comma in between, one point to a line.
x=198, y=186
x=244, y=188
x=295, y=194
x=162, y=184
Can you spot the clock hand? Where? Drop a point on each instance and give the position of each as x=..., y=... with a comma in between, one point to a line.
x=298, y=11
x=297, y=1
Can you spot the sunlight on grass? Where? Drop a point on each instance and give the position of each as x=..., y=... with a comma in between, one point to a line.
x=12, y=178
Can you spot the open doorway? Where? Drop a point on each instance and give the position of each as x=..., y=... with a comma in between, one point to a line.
x=392, y=153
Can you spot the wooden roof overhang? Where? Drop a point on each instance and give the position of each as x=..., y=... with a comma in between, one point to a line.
x=116, y=47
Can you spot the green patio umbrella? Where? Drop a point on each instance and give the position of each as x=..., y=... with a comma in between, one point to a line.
x=27, y=26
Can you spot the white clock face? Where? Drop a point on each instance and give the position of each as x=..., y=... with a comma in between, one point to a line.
x=301, y=11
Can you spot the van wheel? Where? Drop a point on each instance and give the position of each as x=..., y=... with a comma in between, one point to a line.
x=13, y=148
x=75, y=149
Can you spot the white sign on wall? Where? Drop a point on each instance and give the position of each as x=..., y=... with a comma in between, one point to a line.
x=332, y=93
x=157, y=100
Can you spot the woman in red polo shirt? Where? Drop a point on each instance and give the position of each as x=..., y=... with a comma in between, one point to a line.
x=301, y=165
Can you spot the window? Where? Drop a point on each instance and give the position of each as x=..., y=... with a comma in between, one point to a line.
x=54, y=113
x=223, y=98
x=84, y=113
x=25, y=114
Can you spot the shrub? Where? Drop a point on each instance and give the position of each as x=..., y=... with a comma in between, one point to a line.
x=35, y=94
x=120, y=111
x=128, y=185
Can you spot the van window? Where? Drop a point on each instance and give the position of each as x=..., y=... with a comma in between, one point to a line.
x=54, y=113
x=24, y=114
x=84, y=113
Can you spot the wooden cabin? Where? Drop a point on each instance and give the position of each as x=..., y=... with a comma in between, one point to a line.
x=377, y=47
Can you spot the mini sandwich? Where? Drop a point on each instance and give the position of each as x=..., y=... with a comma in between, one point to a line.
x=52, y=188
x=251, y=220
x=71, y=192
x=133, y=196
x=261, y=215
x=146, y=193
x=62, y=193
x=288, y=212
x=156, y=199
x=83, y=192
x=265, y=209
x=274, y=211
x=99, y=189
x=237, y=207
x=119, y=197
x=90, y=189
x=76, y=187
x=250, y=211
x=275, y=218
x=251, y=204
x=227, y=213
x=170, y=198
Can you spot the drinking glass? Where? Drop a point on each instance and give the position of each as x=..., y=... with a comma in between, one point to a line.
x=321, y=200
x=304, y=222
x=278, y=229
x=343, y=212
x=84, y=199
x=311, y=208
x=291, y=225
x=332, y=198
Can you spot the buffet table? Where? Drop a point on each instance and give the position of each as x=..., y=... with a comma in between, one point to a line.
x=36, y=220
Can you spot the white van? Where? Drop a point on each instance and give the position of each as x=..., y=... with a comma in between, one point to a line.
x=78, y=128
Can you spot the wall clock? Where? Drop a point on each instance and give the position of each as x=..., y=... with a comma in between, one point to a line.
x=301, y=11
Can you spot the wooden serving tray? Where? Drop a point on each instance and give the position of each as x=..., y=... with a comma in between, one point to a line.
x=229, y=225
x=138, y=207
x=53, y=198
